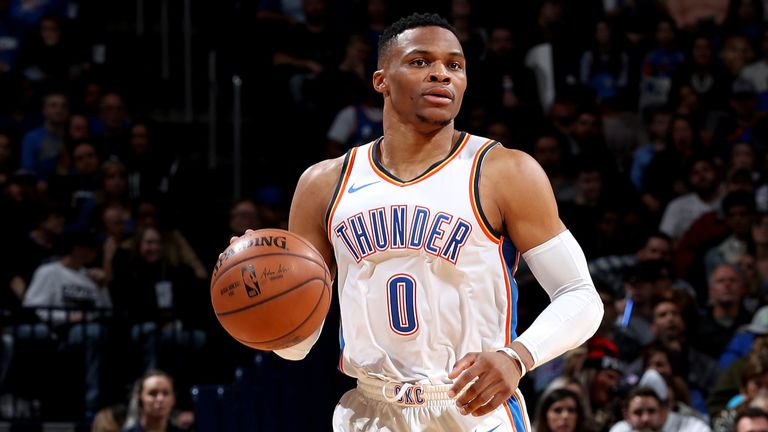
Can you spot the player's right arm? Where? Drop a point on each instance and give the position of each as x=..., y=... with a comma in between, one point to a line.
x=307, y=218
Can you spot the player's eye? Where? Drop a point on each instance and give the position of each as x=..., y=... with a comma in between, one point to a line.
x=419, y=62
x=455, y=65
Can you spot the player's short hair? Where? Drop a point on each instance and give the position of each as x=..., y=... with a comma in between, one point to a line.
x=406, y=23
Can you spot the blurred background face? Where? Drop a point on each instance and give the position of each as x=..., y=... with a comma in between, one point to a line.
x=726, y=285
x=743, y=156
x=656, y=248
x=500, y=42
x=756, y=386
x=667, y=322
x=644, y=413
x=665, y=34
x=702, y=52
x=603, y=33
x=56, y=109
x=86, y=161
x=139, y=139
x=50, y=32
x=562, y=416
x=157, y=398
x=659, y=361
x=702, y=176
x=115, y=180
x=151, y=246
x=112, y=111
x=243, y=216
x=78, y=128
x=546, y=151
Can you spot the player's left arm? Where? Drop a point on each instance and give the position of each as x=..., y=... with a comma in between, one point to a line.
x=526, y=210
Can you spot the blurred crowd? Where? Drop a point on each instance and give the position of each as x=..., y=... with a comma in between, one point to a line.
x=648, y=116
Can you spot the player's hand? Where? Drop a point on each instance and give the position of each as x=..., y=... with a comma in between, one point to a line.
x=235, y=238
x=497, y=377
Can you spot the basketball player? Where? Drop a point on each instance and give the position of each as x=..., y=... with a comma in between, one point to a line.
x=425, y=227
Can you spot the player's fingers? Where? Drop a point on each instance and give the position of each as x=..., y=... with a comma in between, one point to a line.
x=235, y=238
x=463, y=363
x=494, y=403
x=463, y=378
x=464, y=401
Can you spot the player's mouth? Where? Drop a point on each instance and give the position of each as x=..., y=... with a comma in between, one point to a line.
x=439, y=95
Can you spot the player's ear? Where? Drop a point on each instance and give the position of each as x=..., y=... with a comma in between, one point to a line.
x=379, y=83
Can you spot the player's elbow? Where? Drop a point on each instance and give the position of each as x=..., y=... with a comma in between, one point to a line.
x=292, y=353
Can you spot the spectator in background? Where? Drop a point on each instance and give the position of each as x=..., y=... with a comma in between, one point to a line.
x=660, y=65
x=742, y=341
x=161, y=299
x=609, y=270
x=68, y=293
x=668, y=165
x=146, y=164
x=550, y=153
x=757, y=72
x=243, y=215
x=751, y=420
x=36, y=249
x=725, y=313
x=605, y=66
x=11, y=34
x=656, y=127
x=559, y=410
x=79, y=129
x=646, y=410
x=47, y=55
x=356, y=124
x=149, y=213
x=704, y=182
x=600, y=376
x=42, y=147
x=745, y=17
x=736, y=54
x=151, y=405
x=753, y=383
x=739, y=212
x=110, y=129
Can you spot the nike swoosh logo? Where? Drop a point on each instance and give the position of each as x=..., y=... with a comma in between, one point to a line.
x=497, y=426
x=353, y=189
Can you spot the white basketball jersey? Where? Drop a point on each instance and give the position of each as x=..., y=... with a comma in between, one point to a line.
x=423, y=280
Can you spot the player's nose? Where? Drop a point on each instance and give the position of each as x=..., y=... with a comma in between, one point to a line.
x=438, y=73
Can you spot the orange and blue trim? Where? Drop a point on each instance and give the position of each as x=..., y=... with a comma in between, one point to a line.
x=517, y=412
x=346, y=170
x=382, y=172
x=474, y=192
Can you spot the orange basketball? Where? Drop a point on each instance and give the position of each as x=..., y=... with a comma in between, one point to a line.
x=271, y=289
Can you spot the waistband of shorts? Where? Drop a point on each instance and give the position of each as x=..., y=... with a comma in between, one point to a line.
x=405, y=394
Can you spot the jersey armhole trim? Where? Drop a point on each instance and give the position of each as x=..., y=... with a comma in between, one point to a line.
x=346, y=170
x=474, y=192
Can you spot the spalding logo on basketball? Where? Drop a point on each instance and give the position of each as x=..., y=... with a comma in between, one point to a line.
x=270, y=289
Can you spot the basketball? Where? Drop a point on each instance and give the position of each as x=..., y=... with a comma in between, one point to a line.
x=270, y=289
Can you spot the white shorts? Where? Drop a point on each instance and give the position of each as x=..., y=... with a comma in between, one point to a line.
x=376, y=405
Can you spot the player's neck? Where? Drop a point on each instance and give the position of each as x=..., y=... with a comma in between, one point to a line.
x=407, y=153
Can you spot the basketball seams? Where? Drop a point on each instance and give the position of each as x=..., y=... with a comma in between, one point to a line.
x=266, y=300
x=251, y=257
x=326, y=288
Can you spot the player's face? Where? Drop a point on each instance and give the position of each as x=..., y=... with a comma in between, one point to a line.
x=423, y=76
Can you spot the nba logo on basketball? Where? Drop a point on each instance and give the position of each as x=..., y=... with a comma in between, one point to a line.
x=251, y=283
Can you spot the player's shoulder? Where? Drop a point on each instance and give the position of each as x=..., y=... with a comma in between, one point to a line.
x=325, y=170
x=503, y=161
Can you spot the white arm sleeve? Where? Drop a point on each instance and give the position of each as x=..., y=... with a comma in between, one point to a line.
x=301, y=349
x=576, y=309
